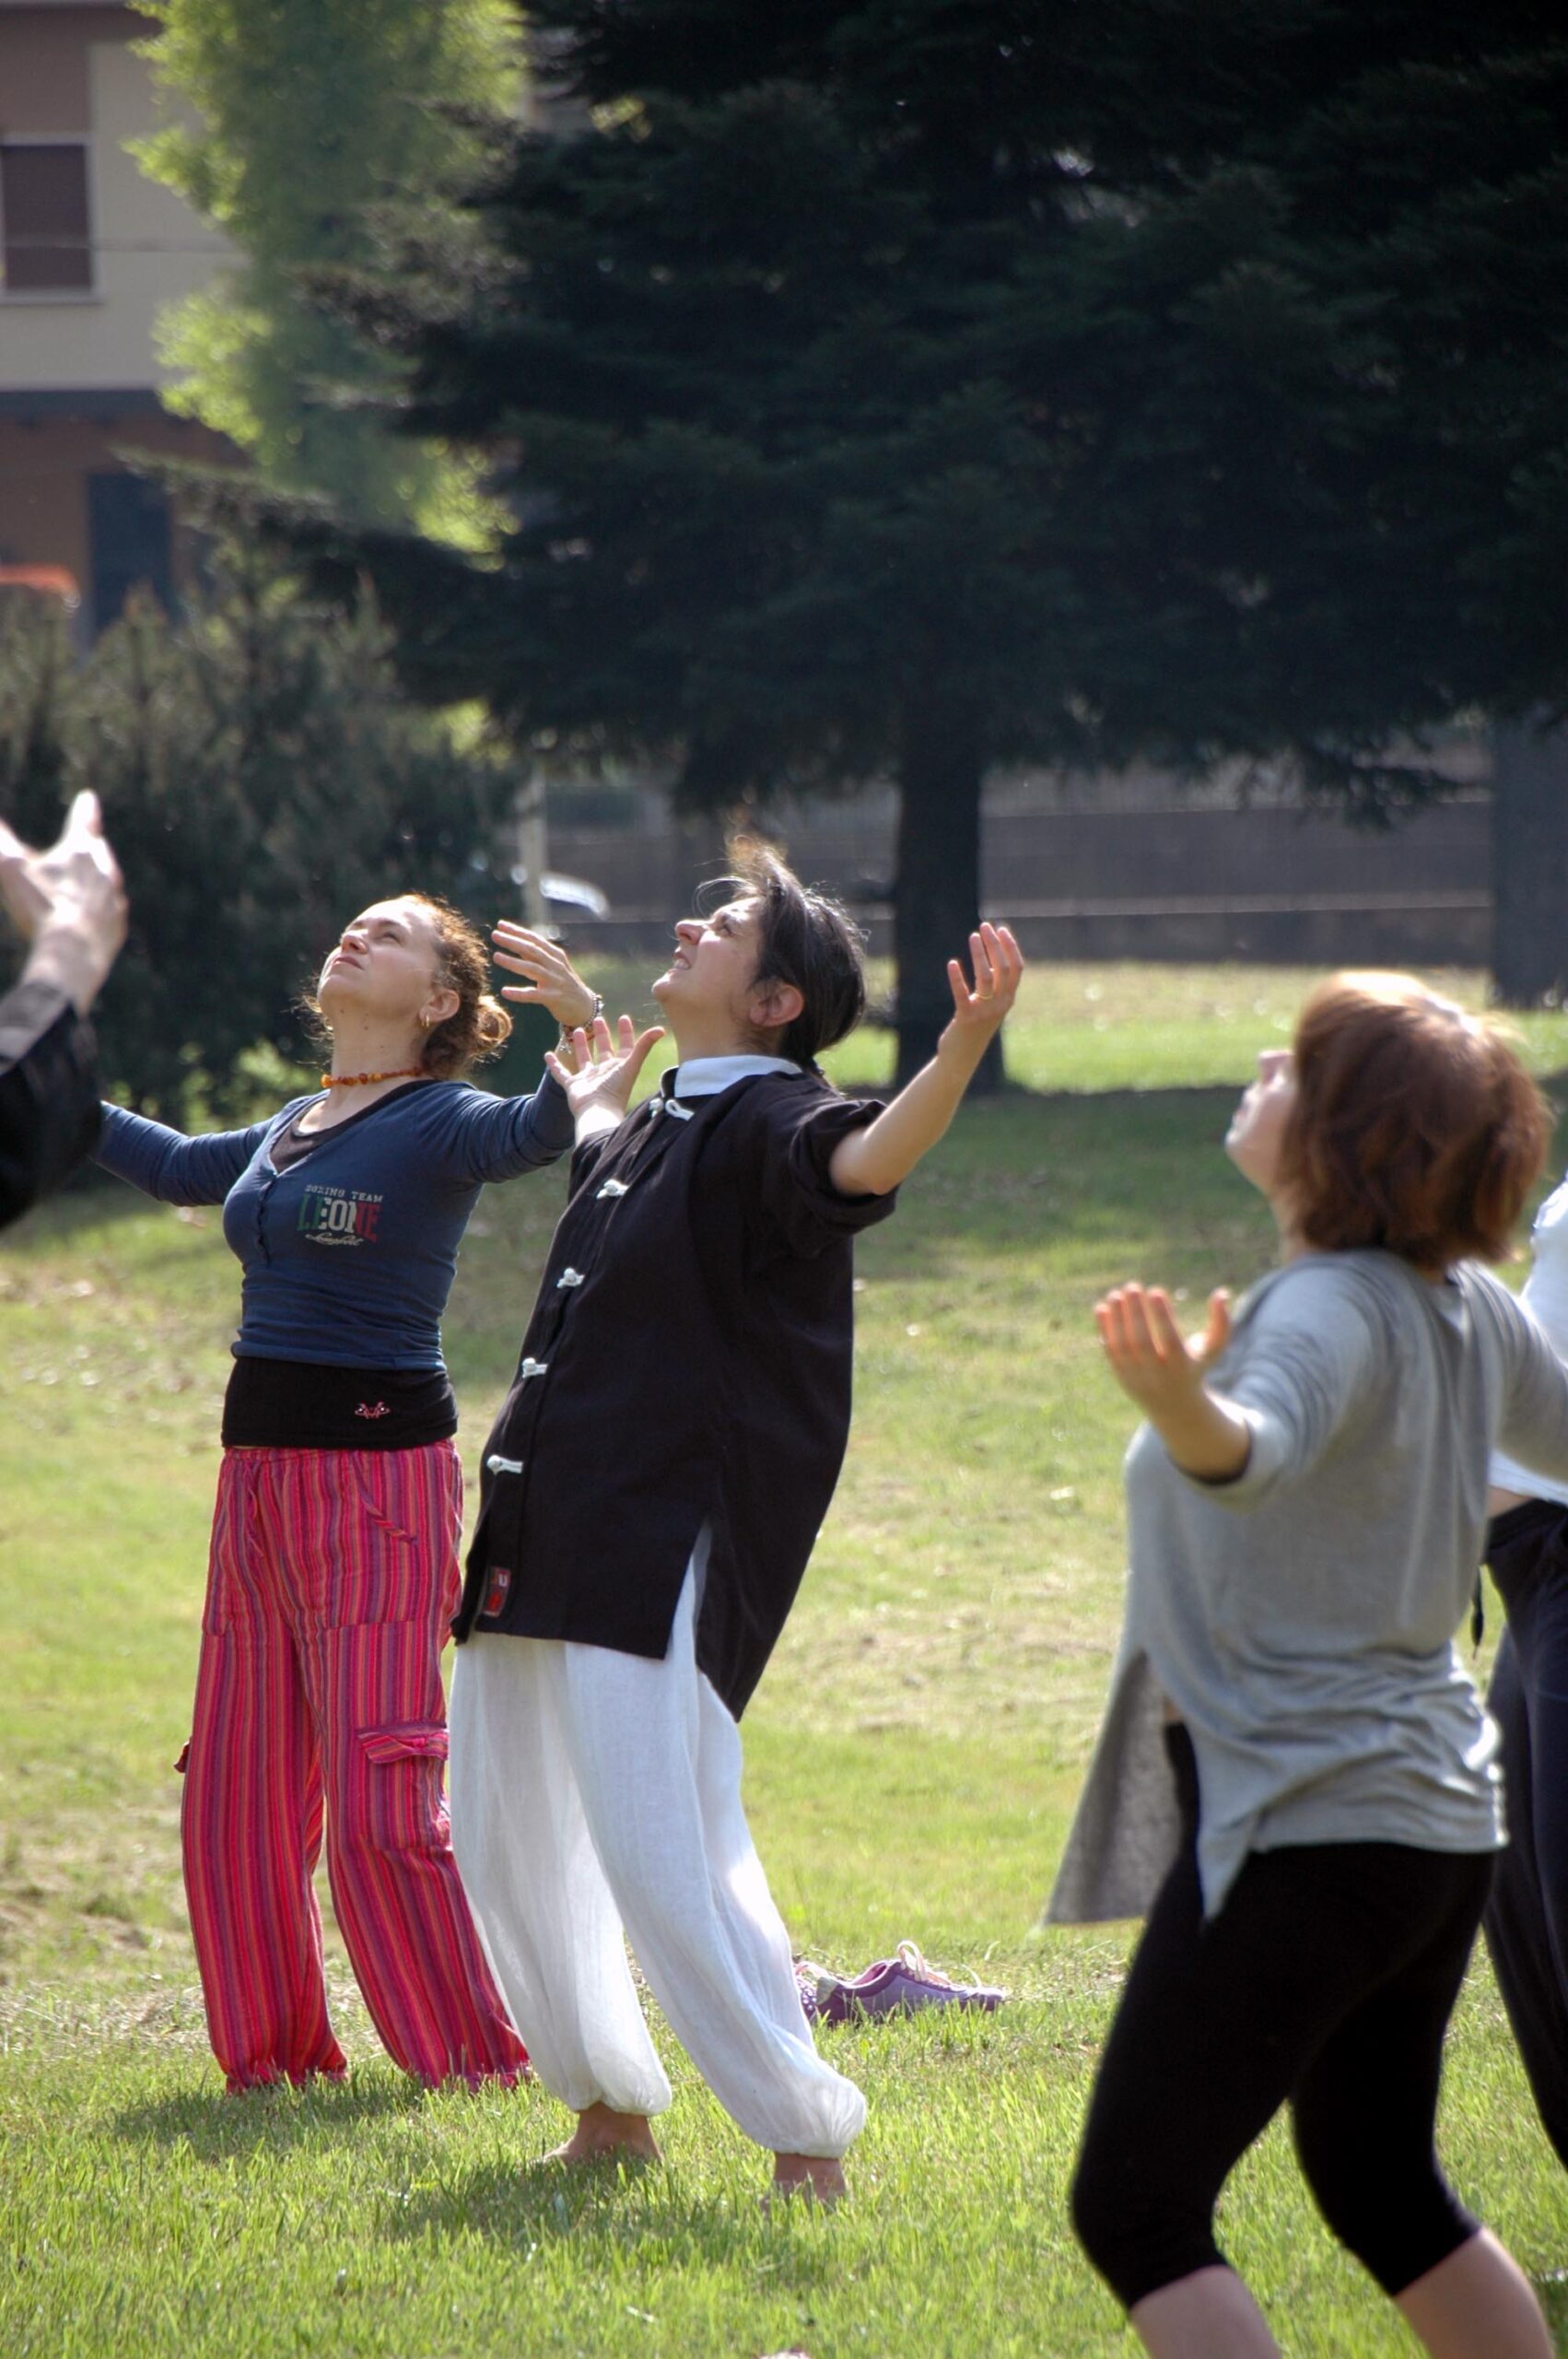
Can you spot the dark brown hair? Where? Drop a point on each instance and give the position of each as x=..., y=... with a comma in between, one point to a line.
x=481, y=1026
x=1414, y=1128
x=804, y=938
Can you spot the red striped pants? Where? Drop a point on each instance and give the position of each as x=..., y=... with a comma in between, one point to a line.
x=332, y=1575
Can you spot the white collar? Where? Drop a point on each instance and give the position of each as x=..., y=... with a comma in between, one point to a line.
x=704, y=1077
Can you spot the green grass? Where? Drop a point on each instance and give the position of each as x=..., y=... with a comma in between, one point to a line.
x=1096, y=1027
x=1085, y=1027
x=913, y=1756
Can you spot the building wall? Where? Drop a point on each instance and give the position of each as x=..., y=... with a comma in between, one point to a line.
x=45, y=467
x=79, y=373
x=73, y=72
x=43, y=66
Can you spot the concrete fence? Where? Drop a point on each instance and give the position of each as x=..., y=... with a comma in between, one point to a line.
x=1269, y=886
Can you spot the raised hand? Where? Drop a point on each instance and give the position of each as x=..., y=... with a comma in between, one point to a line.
x=1157, y=1367
x=75, y=881
x=871, y=1161
x=68, y=900
x=998, y=964
x=1149, y=1357
x=604, y=1072
x=553, y=982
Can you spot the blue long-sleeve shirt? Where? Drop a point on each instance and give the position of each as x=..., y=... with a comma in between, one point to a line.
x=348, y=1255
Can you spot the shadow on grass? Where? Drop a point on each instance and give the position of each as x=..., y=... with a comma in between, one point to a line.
x=217, y=2126
x=607, y=2205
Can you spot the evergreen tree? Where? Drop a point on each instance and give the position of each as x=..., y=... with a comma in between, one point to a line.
x=899, y=387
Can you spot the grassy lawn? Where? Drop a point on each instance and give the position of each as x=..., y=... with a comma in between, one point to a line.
x=1094, y=1028
x=1097, y=1027
x=912, y=1757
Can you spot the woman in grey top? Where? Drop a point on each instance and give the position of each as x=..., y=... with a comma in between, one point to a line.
x=1295, y=1780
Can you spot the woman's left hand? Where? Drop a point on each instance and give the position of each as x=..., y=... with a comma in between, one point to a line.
x=603, y=1070
x=553, y=982
x=980, y=1007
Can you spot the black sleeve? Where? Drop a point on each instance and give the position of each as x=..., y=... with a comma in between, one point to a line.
x=48, y=1111
x=799, y=1199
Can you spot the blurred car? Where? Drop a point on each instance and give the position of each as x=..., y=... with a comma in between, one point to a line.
x=568, y=900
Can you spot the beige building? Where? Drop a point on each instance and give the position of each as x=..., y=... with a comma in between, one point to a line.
x=90, y=250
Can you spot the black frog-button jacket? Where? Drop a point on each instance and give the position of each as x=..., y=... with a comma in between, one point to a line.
x=689, y=1361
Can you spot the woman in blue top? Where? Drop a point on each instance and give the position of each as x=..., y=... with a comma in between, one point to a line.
x=333, y=1570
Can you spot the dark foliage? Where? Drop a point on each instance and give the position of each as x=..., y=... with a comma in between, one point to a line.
x=903, y=386
x=262, y=780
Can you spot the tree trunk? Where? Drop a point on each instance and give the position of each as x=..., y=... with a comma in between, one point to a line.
x=530, y=819
x=1529, y=863
x=705, y=852
x=937, y=889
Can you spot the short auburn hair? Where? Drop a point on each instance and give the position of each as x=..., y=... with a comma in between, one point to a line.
x=1415, y=1127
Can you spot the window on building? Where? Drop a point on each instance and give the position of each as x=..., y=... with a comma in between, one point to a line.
x=130, y=542
x=43, y=217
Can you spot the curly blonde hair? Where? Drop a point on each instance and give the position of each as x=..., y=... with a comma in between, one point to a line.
x=481, y=1026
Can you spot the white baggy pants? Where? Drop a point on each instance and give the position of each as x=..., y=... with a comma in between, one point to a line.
x=592, y=1790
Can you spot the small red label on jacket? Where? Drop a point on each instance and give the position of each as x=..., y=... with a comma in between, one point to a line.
x=495, y=1595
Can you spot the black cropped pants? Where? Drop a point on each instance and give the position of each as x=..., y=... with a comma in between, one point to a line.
x=1326, y=1981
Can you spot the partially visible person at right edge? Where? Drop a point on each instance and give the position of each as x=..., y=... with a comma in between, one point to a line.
x=68, y=904
x=1527, y=1552
x=1296, y=1782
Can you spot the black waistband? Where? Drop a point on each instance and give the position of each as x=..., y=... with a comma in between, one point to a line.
x=1522, y=1522
x=299, y=1404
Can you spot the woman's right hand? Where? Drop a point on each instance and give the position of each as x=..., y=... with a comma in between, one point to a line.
x=1166, y=1375
x=604, y=1072
x=1149, y=1358
x=553, y=982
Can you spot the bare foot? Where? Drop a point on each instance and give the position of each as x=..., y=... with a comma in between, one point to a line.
x=819, y=2177
x=601, y=2134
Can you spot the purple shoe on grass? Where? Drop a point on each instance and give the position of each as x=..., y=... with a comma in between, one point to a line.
x=893, y=1986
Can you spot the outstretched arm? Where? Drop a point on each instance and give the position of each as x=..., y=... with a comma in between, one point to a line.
x=166, y=1163
x=872, y=1161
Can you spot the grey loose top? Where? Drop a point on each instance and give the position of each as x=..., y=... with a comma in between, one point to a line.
x=1301, y=1618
